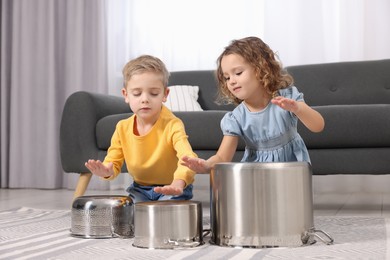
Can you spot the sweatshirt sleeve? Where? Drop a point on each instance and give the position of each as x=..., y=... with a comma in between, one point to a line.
x=115, y=154
x=182, y=148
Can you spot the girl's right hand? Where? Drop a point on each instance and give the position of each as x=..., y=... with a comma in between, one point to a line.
x=196, y=164
x=98, y=168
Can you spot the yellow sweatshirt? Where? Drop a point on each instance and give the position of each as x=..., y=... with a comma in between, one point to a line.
x=152, y=159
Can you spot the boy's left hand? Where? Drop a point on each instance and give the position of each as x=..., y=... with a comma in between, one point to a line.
x=175, y=188
x=169, y=190
x=286, y=103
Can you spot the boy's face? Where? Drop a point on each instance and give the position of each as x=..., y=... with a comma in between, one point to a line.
x=145, y=94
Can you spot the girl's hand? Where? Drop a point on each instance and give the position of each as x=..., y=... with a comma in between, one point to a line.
x=98, y=168
x=311, y=118
x=286, y=103
x=196, y=164
x=175, y=188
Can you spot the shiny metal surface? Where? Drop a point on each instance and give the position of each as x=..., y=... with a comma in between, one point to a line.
x=168, y=224
x=261, y=204
x=102, y=216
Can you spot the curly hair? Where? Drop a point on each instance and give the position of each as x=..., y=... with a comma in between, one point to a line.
x=268, y=68
x=142, y=64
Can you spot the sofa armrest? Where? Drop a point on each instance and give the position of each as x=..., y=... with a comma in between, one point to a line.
x=81, y=112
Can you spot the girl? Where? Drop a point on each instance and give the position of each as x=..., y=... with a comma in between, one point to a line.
x=267, y=112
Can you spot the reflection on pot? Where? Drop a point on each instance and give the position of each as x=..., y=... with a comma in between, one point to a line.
x=102, y=217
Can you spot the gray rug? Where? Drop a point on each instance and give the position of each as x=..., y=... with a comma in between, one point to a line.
x=28, y=233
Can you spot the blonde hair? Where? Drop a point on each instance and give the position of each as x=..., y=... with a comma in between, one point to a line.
x=142, y=64
x=268, y=68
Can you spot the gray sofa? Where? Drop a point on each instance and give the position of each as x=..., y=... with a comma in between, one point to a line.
x=353, y=97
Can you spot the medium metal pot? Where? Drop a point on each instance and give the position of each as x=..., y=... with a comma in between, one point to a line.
x=102, y=217
x=263, y=205
x=168, y=224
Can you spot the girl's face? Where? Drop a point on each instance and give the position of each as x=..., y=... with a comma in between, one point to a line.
x=240, y=77
x=145, y=94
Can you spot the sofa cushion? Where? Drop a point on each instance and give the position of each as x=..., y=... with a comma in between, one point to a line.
x=350, y=126
x=183, y=98
x=207, y=83
x=344, y=83
x=350, y=161
x=204, y=129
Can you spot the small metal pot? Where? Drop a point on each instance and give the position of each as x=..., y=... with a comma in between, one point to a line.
x=260, y=205
x=102, y=217
x=168, y=224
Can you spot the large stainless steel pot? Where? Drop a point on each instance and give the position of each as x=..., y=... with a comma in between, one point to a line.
x=263, y=205
x=168, y=224
x=102, y=216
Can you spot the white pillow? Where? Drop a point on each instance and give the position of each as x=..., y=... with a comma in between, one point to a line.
x=183, y=98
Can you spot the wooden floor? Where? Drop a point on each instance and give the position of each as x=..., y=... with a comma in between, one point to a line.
x=358, y=203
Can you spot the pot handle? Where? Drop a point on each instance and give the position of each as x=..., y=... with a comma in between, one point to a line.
x=206, y=232
x=328, y=240
x=188, y=242
x=183, y=243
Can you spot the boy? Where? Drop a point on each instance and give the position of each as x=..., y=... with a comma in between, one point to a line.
x=151, y=141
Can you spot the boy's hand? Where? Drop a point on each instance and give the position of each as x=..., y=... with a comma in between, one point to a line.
x=175, y=188
x=98, y=168
x=196, y=164
x=286, y=103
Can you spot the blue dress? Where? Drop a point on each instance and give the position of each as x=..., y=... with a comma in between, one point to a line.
x=270, y=135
